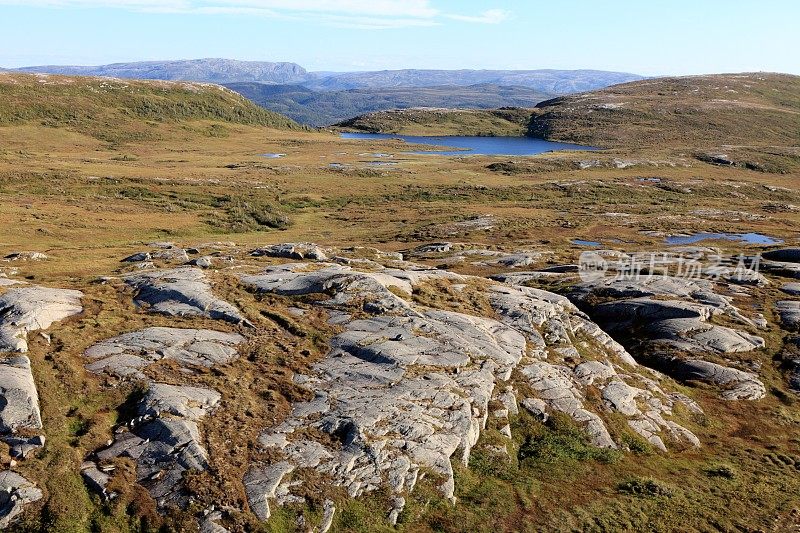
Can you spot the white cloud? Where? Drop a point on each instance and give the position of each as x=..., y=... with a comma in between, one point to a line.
x=358, y=14
x=491, y=16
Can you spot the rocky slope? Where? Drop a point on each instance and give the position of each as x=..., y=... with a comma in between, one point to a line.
x=401, y=372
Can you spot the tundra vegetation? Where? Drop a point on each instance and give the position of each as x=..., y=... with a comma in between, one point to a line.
x=194, y=371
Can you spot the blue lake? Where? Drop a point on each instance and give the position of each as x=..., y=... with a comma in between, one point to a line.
x=465, y=145
x=749, y=238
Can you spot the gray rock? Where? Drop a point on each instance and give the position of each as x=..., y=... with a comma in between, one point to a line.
x=137, y=258
x=205, y=261
x=20, y=447
x=26, y=256
x=672, y=313
x=127, y=355
x=260, y=483
x=177, y=255
x=792, y=288
x=15, y=493
x=736, y=384
x=785, y=255
x=789, y=311
x=433, y=248
x=27, y=309
x=191, y=403
x=181, y=291
x=293, y=250
x=96, y=479
x=19, y=405
x=163, y=449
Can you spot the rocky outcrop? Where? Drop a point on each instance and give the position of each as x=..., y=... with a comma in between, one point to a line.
x=667, y=318
x=789, y=312
x=164, y=441
x=407, y=388
x=32, y=308
x=293, y=250
x=181, y=291
x=15, y=493
x=127, y=355
x=19, y=399
x=164, y=438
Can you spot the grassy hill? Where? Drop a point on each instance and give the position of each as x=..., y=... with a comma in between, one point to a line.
x=118, y=111
x=509, y=121
x=695, y=111
x=321, y=108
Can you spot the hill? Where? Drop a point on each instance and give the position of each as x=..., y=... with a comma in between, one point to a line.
x=508, y=121
x=205, y=70
x=320, y=108
x=694, y=111
x=115, y=111
x=544, y=81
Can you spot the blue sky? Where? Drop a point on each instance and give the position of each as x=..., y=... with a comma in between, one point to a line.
x=647, y=37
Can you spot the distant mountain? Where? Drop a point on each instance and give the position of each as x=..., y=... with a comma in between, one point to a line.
x=320, y=108
x=204, y=70
x=544, y=81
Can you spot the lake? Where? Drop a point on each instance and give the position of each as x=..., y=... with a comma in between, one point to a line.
x=749, y=238
x=466, y=145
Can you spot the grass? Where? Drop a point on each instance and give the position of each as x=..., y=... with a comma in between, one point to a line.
x=88, y=194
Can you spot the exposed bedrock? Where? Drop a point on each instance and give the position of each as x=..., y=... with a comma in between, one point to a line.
x=184, y=291
x=32, y=308
x=163, y=438
x=670, y=322
x=126, y=355
x=406, y=388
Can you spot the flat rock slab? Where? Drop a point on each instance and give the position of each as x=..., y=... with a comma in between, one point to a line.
x=792, y=288
x=127, y=355
x=19, y=405
x=181, y=292
x=32, y=308
x=15, y=493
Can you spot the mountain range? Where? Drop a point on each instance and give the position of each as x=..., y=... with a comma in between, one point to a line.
x=321, y=98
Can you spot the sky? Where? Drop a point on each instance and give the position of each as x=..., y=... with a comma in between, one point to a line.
x=649, y=37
